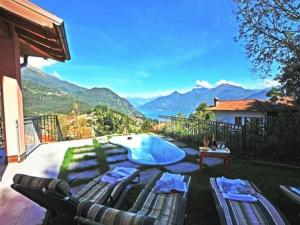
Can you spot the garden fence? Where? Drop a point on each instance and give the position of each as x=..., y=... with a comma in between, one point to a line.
x=267, y=139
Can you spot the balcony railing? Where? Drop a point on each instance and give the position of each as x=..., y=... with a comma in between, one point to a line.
x=41, y=129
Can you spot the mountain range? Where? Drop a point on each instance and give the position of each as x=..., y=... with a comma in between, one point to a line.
x=139, y=101
x=187, y=102
x=44, y=93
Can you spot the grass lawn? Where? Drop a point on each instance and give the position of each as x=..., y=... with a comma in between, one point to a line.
x=201, y=207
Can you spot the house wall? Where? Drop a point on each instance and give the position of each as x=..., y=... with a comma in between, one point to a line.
x=11, y=97
x=229, y=116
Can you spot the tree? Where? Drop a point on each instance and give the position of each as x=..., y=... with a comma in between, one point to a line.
x=203, y=113
x=274, y=92
x=146, y=126
x=290, y=80
x=270, y=31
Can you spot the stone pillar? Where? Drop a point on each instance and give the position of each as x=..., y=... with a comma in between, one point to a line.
x=11, y=94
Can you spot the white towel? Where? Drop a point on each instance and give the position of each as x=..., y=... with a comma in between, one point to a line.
x=239, y=197
x=117, y=174
x=236, y=189
x=224, y=180
x=170, y=182
x=171, y=176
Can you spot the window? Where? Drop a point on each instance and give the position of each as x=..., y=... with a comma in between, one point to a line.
x=238, y=120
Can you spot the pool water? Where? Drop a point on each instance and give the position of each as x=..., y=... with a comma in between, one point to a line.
x=149, y=149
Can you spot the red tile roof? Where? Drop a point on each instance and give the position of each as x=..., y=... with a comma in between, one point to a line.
x=252, y=105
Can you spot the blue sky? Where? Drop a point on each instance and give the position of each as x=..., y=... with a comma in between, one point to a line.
x=150, y=47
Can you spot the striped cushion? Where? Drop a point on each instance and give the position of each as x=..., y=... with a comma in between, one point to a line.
x=164, y=207
x=51, y=184
x=290, y=193
x=95, y=191
x=150, y=208
x=98, y=192
x=109, y=216
x=246, y=213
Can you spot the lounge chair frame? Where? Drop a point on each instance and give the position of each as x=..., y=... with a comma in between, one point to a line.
x=57, y=203
x=220, y=209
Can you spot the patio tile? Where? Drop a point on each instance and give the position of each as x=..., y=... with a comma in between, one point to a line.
x=190, y=151
x=116, y=151
x=146, y=175
x=84, y=149
x=84, y=174
x=45, y=161
x=115, y=158
x=88, y=154
x=183, y=167
x=36, y=215
x=83, y=164
x=107, y=146
x=125, y=164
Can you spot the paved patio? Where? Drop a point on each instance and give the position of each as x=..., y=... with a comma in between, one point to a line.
x=45, y=161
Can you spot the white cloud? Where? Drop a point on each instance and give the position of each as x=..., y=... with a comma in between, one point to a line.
x=40, y=63
x=55, y=74
x=203, y=83
x=228, y=82
x=269, y=83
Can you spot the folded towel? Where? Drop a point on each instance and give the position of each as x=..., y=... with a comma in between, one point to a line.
x=171, y=176
x=296, y=190
x=170, y=182
x=124, y=171
x=236, y=186
x=236, y=189
x=239, y=197
x=117, y=174
x=224, y=184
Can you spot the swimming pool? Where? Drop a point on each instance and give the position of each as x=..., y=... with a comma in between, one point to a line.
x=149, y=149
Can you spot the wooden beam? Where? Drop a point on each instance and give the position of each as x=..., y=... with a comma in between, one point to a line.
x=51, y=51
x=38, y=39
x=4, y=29
x=29, y=49
x=17, y=21
x=38, y=51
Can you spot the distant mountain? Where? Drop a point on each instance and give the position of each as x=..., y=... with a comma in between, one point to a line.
x=44, y=93
x=187, y=102
x=138, y=101
x=261, y=95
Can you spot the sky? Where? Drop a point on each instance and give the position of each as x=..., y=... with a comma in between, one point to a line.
x=150, y=47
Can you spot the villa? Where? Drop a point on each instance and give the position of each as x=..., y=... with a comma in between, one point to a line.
x=236, y=111
x=184, y=171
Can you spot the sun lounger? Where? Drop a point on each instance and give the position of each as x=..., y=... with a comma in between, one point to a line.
x=55, y=195
x=291, y=192
x=151, y=207
x=240, y=212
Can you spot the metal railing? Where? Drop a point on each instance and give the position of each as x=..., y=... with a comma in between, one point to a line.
x=41, y=129
x=267, y=139
x=272, y=139
x=193, y=130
